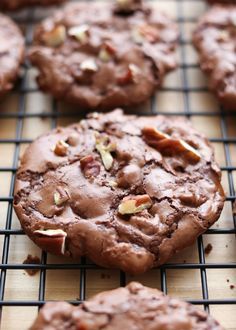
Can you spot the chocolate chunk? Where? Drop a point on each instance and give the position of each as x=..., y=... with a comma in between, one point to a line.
x=133, y=214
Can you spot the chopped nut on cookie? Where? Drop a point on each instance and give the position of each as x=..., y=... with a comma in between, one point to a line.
x=61, y=148
x=145, y=32
x=152, y=135
x=104, y=147
x=53, y=240
x=130, y=75
x=55, y=37
x=80, y=32
x=107, y=52
x=165, y=143
x=149, y=32
x=89, y=166
x=137, y=37
x=113, y=184
x=60, y=196
x=73, y=139
x=89, y=65
x=134, y=204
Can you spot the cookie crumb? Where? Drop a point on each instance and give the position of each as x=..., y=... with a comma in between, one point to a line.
x=208, y=248
x=227, y=280
x=107, y=276
x=232, y=286
x=31, y=260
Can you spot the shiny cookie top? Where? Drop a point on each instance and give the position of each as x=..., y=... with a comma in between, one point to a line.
x=126, y=191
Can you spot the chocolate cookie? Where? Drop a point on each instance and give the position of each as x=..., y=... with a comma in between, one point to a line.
x=134, y=307
x=126, y=191
x=214, y=38
x=98, y=55
x=11, y=53
x=18, y=4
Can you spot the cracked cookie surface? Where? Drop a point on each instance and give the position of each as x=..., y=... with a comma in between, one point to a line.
x=11, y=53
x=18, y=4
x=215, y=39
x=98, y=56
x=134, y=307
x=126, y=191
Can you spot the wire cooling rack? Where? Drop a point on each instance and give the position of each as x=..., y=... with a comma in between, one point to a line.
x=204, y=279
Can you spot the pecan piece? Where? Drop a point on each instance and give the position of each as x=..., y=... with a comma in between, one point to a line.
x=61, y=148
x=112, y=184
x=60, y=196
x=105, y=147
x=52, y=240
x=80, y=32
x=89, y=166
x=107, y=52
x=134, y=204
x=166, y=144
x=73, y=139
x=55, y=37
x=89, y=65
x=149, y=32
x=130, y=75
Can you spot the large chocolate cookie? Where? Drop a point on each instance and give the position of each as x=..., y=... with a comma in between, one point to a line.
x=17, y=4
x=98, y=55
x=126, y=191
x=11, y=53
x=134, y=307
x=214, y=38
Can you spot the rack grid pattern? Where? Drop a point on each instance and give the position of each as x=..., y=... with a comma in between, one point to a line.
x=28, y=20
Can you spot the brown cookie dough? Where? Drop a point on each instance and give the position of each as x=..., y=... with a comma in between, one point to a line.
x=126, y=191
x=34, y=261
x=134, y=307
x=11, y=53
x=215, y=39
x=18, y=4
x=98, y=56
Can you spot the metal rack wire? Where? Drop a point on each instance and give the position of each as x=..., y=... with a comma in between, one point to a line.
x=23, y=90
